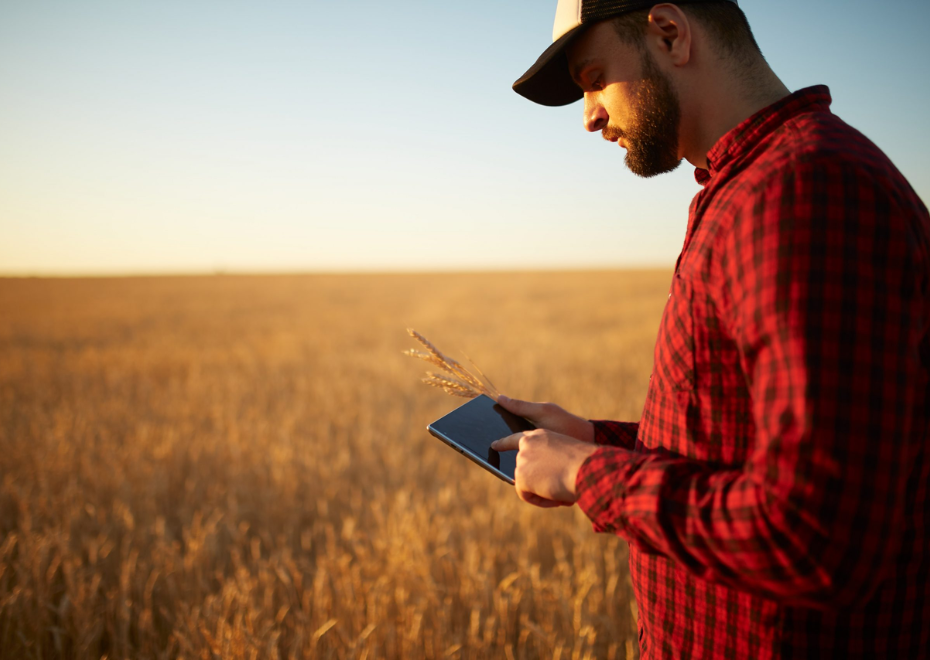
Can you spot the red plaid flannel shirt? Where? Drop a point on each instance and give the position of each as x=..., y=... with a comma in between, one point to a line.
x=776, y=492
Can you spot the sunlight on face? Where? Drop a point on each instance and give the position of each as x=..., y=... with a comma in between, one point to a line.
x=636, y=107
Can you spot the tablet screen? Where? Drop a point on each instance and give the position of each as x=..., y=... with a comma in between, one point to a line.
x=475, y=425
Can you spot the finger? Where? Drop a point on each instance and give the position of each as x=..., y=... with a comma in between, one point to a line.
x=538, y=500
x=510, y=443
x=518, y=407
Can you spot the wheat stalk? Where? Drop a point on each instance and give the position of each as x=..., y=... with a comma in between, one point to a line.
x=462, y=383
x=454, y=390
x=483, y=377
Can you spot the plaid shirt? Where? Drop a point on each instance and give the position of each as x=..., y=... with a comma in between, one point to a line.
x=776, y=492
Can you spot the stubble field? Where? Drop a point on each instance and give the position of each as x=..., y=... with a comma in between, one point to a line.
x=237, y=467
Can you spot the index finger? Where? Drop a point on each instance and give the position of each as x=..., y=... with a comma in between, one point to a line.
x=509, y=443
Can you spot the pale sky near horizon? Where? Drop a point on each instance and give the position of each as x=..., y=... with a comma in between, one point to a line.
x=164, y=137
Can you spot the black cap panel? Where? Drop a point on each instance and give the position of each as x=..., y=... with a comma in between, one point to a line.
x=592, y=12
x=548, y=81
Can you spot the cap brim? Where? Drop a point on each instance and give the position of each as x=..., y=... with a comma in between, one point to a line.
x=548, y=82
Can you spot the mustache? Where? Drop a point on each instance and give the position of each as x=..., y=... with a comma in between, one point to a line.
x=612, y=133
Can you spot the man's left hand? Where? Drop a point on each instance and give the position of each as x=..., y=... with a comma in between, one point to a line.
x=547, y=465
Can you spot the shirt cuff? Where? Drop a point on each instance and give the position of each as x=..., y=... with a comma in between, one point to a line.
x=615, y=434
x=601, y=489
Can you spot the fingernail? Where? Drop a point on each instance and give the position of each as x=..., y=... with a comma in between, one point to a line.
x=503, y=398
x=494, y=445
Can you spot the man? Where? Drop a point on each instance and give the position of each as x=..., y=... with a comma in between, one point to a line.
x=776, y=491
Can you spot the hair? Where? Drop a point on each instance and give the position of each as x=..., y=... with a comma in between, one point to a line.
x=724, y=21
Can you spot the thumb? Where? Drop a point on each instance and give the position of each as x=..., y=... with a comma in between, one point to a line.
x=518, y=407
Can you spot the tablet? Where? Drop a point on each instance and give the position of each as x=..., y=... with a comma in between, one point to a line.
x=471, y=428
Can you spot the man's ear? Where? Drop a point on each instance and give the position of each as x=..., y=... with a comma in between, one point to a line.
x=669, y=31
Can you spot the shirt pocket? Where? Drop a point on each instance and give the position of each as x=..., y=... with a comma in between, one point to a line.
x=673, y=365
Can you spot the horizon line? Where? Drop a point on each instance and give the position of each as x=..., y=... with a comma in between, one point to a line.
x=263, y=272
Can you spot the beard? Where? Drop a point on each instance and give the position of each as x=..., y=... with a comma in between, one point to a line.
x=652, y=137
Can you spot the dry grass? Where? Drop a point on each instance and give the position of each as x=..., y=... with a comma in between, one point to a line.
x=238, y=467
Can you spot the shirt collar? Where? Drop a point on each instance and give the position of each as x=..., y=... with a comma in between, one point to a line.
x=751, y=131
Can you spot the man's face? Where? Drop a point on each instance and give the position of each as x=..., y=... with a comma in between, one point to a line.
x=628, y=98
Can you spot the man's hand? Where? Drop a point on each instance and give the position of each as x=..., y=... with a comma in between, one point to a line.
x=547, y=465
x=551, y=417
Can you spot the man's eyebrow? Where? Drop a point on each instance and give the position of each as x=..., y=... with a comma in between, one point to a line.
x=575, y=71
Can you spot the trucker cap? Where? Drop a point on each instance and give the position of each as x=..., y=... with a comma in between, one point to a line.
x=548, y=82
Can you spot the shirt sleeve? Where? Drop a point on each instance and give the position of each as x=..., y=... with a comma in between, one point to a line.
x=615, y=434
x=829, y=291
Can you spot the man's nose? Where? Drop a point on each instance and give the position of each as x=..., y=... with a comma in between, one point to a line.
x=595, y=116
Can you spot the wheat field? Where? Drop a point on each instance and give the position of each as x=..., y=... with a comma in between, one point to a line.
x=238, y=467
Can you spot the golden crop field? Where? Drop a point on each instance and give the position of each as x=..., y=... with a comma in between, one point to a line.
x=238, y=467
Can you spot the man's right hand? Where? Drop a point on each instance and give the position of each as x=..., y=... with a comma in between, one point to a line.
x=551, y=417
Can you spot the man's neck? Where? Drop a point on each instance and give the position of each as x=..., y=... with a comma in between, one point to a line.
x=720, y=105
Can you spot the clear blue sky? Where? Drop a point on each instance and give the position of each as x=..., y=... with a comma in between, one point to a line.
x=148, y=137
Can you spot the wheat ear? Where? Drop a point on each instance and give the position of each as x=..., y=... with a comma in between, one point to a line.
x=428, y=357
x=463, y=383
x=449, y=364
x=449, y=385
